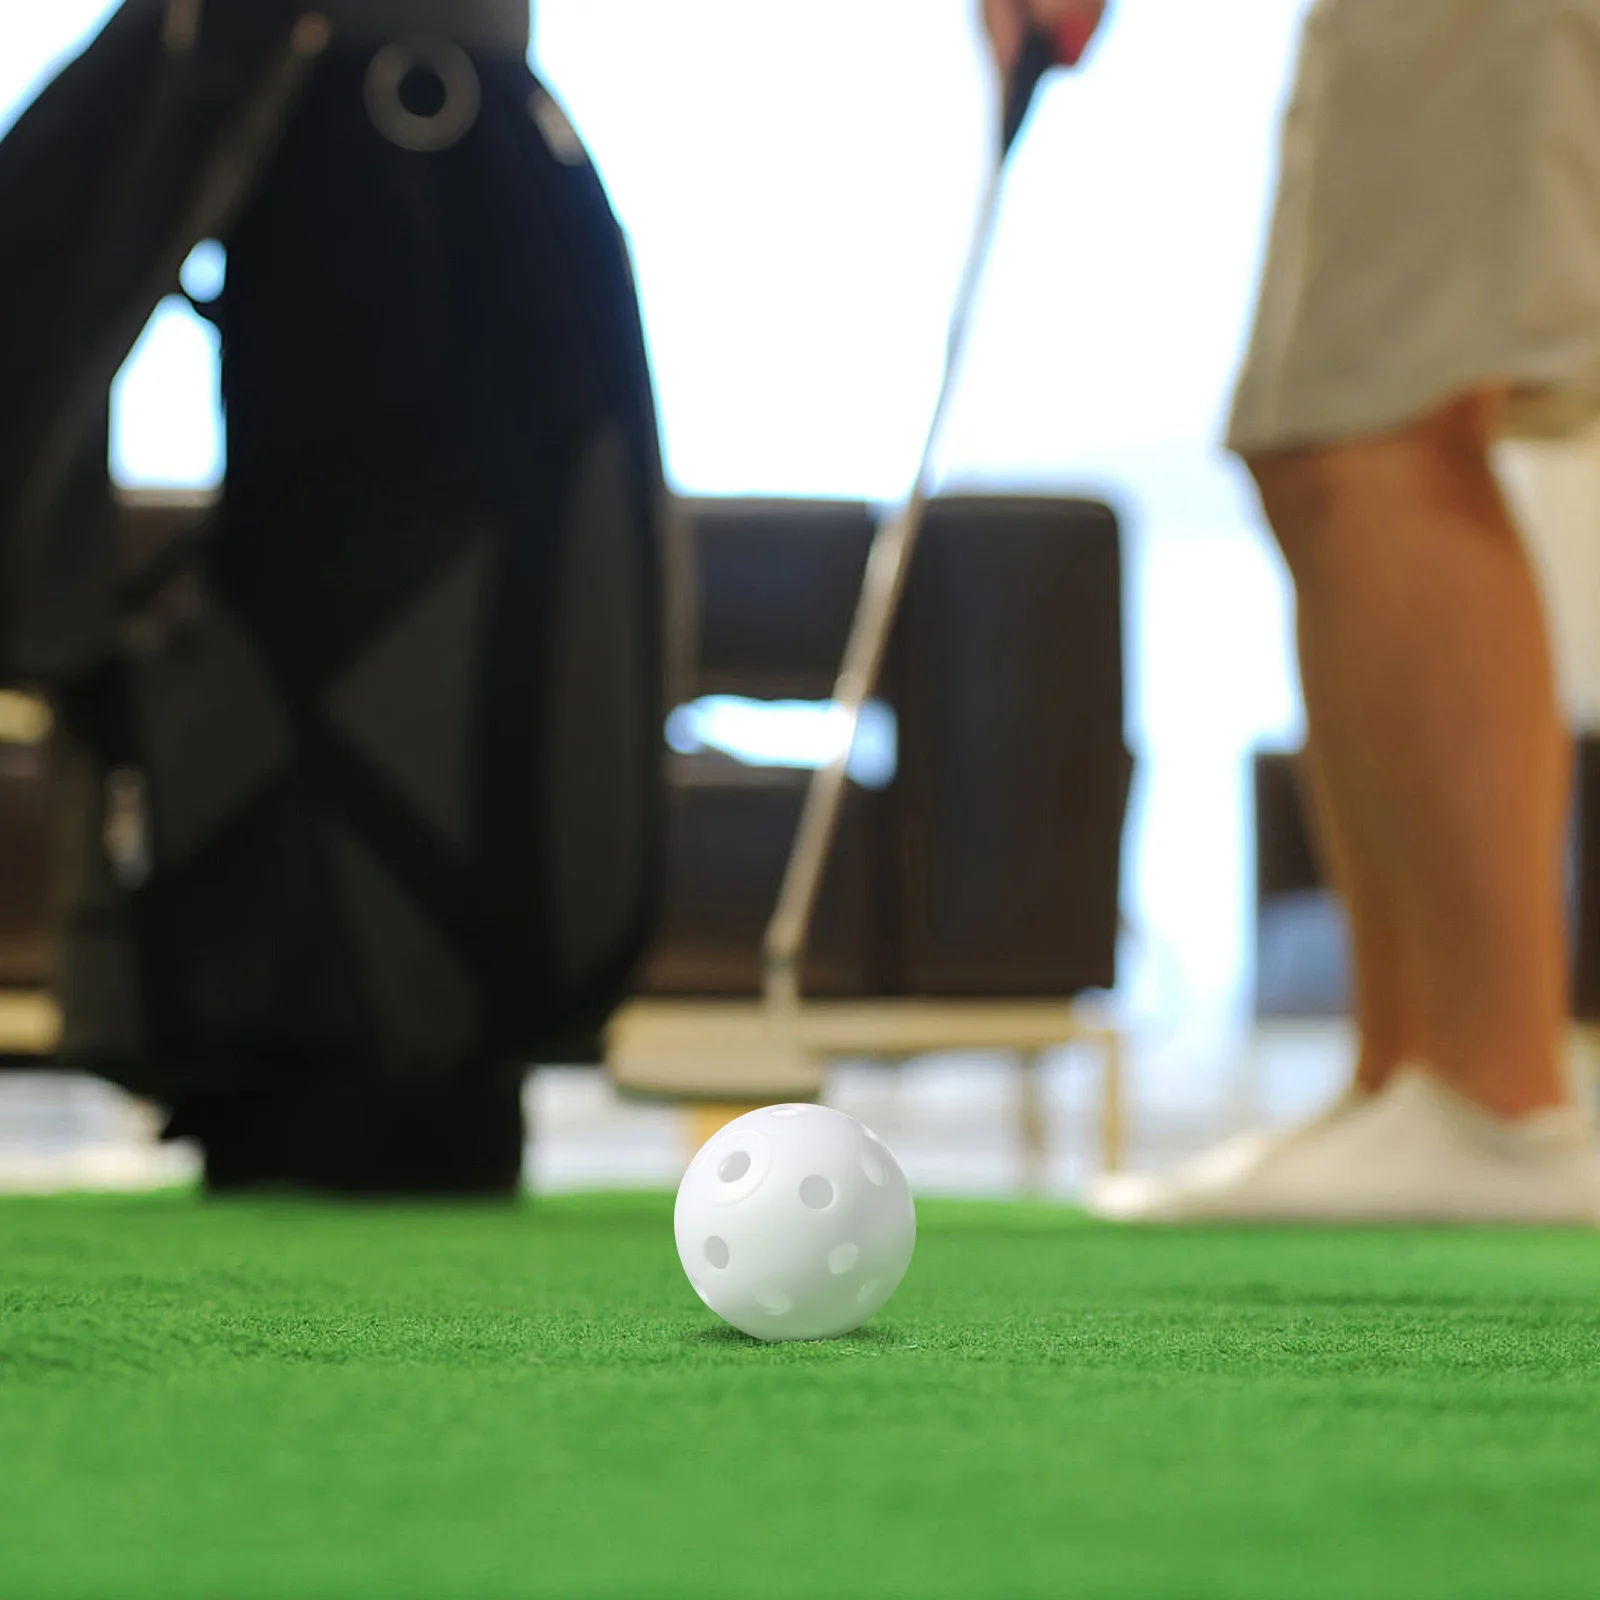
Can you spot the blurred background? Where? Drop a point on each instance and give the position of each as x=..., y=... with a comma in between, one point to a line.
x=796, y=283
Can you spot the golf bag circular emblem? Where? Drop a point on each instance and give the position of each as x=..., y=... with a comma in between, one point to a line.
x=439, y=70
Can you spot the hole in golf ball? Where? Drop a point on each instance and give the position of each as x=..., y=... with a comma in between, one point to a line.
x=842, y=1257
x=874, y=1170
x=717, y=1251
x=867, y=1291
x=734, y=1166
x=816, y=1192
x=773, y=1300
x=787, y=1111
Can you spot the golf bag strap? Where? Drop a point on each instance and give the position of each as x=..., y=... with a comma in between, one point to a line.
x=116, y=309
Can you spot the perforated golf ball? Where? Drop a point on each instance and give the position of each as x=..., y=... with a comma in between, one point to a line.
x=795, y=1222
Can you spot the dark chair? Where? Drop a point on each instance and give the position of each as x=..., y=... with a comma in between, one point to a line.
x=990, y=865
x=41, y=797
x=970, y=902
x=26, y=956
x=29, y=1025
x=1302, y=958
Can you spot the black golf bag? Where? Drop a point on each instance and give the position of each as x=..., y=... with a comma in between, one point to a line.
x=365, y=773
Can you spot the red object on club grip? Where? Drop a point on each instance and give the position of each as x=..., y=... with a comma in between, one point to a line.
x=1073, y=35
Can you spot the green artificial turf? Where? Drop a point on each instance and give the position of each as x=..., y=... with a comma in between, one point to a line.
x=235, y=1400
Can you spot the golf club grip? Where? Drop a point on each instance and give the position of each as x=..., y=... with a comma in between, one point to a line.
x=1042, y=49
x=1036, y=58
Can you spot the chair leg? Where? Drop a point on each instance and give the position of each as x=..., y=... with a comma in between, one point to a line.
x=707, y=1118
x=1113, y=1108
x=1583, y=1055
x=1031, y=1123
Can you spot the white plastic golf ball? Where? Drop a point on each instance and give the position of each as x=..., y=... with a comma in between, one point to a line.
x=795, y=1222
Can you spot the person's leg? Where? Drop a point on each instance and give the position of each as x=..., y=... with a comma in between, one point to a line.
x=1438, y=756
x=1384, y=979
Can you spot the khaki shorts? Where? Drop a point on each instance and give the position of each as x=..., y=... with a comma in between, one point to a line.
x=1438, y=223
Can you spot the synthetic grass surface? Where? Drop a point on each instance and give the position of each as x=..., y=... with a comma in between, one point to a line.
x=239, y=1400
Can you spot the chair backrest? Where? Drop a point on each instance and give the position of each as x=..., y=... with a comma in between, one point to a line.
x=1014, y=774
x=990, y=865
x=1286, y=859
x=774, y=588
x=777, y=588
x=1302, y=959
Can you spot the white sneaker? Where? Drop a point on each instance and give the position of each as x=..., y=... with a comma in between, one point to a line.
x=1128, y=1196
x=1416, y=1151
